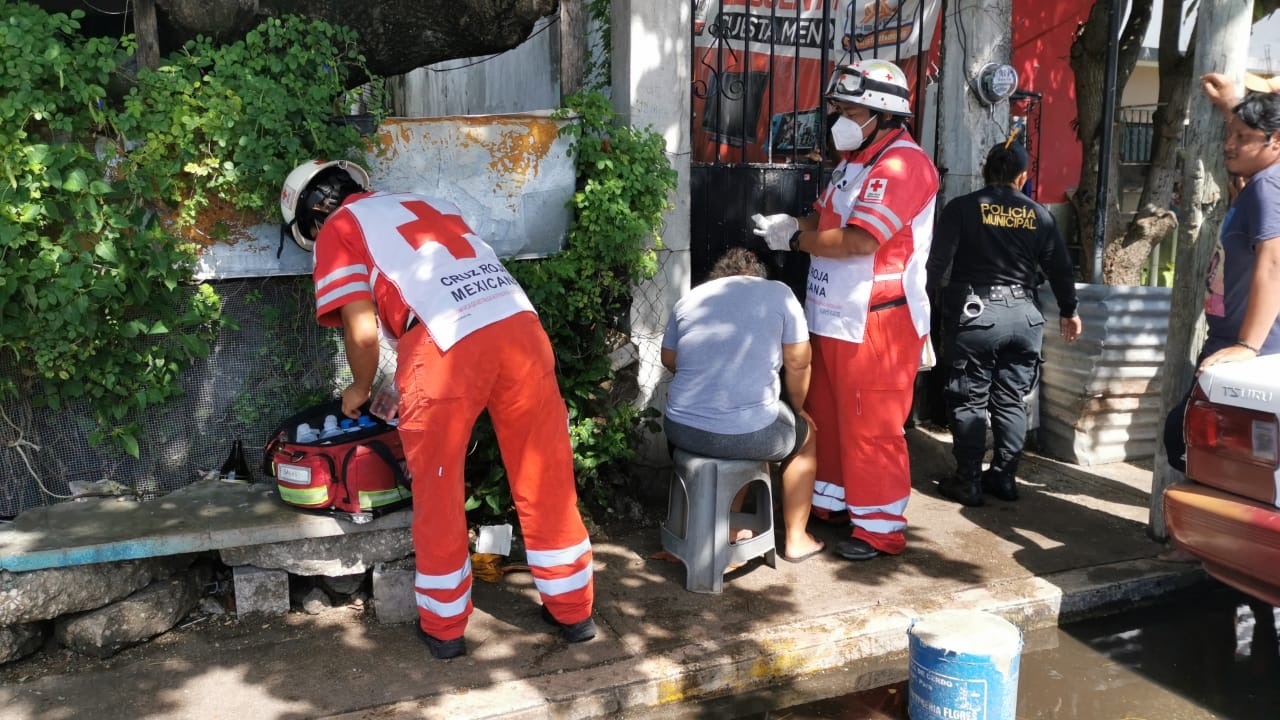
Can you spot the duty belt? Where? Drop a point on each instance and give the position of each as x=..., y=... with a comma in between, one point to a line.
x=1000, y=292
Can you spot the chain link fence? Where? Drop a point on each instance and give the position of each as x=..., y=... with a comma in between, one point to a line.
x=277, y=361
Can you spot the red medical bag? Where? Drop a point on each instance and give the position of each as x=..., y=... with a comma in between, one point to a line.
x=357, y=471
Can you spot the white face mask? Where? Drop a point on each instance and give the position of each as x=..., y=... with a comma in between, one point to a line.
x=847, y=134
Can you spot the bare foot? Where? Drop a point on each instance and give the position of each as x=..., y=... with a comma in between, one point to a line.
x=737, y=535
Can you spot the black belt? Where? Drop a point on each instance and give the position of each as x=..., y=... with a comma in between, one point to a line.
x=1001, y=292
x=889, y=304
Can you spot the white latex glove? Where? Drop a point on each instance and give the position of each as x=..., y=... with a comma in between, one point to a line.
x=775, y=229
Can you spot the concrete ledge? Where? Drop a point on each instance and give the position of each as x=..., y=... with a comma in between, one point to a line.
x=207, y=515
x=873, y=637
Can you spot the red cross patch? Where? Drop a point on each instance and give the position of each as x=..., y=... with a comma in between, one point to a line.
x=874, y=191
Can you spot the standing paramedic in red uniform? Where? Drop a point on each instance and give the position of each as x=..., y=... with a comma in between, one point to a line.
x=467, y=340
x=866, y=303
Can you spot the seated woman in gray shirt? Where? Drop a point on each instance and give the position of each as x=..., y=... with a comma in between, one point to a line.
x=726, y=341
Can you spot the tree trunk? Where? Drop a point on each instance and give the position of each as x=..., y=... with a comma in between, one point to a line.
x=1123, y=260
x=1222, y=30
x=573, y=46
x=1087, y=51
x=1154, y=222
x=144, y=24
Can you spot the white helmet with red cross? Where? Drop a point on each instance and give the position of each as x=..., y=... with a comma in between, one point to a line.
x=876, y=84
x=300, y=211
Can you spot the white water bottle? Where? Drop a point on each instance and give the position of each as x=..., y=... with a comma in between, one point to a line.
x=331, y=428
x=305, y=434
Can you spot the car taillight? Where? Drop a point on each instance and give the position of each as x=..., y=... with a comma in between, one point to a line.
x=1231, y=432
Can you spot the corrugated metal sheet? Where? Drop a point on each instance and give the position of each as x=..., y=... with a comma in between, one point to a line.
x=1100, y=397
x=521, y=79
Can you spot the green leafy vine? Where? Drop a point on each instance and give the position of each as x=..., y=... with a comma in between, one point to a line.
x=106, y=196
x=624, y=187
x=102, y=195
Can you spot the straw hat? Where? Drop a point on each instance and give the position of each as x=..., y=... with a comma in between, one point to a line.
x=1257, y=83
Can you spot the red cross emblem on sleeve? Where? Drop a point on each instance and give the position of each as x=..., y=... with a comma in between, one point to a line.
x=874, y=192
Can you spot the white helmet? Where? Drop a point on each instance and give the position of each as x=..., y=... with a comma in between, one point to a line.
x=295, y=187
x=876, y=84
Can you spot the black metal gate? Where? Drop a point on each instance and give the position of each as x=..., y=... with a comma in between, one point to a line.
x=758, y=120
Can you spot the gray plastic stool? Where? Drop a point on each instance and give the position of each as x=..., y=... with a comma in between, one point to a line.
x=699, y=517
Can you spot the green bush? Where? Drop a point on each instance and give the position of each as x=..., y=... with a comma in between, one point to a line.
x=228, y=122
x=99, y=197
x=624, y=187
x=103, y=202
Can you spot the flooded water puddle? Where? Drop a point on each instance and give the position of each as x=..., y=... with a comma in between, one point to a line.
x=1205, y=655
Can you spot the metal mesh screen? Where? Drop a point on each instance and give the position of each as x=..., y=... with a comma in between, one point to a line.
x=277, y=362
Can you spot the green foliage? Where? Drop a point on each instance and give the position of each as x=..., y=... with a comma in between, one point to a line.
x=598, y=65
x=93, y=305
x=230, y=122
x=97, y=303
x=624, y=186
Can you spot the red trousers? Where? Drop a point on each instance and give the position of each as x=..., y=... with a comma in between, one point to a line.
x=507, y=368
x=860, y=398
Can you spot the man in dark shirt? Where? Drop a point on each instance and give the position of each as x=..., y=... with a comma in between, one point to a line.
x=996, y=241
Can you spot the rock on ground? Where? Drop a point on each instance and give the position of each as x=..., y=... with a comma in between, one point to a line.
x=139, y=617
x=45, y=594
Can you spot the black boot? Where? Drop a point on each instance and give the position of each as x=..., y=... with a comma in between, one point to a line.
x=964, y=488
x=1000, y=484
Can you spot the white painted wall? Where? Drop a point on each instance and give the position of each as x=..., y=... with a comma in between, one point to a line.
x=651, y=88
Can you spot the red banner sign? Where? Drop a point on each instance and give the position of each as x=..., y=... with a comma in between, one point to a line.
x=760, y=67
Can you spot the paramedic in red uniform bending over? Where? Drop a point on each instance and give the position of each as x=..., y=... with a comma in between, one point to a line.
x=468, y=340
x=865, y=303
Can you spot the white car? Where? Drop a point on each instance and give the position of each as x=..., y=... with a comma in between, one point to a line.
x=1227, y=512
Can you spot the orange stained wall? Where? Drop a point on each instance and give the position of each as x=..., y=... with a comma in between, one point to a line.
x=1042, y=34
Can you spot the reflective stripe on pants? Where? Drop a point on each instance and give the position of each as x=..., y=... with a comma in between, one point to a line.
x=507, y=368
x=860, y=397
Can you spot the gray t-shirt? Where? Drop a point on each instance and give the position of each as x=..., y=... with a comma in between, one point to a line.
x=728, y=336
x=1253, y=219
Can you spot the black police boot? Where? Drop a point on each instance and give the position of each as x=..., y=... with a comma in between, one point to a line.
x=1000, y=484
x=963, y=487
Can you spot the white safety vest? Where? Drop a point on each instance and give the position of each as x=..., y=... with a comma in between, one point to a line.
x=455, y=285
x=838, y=296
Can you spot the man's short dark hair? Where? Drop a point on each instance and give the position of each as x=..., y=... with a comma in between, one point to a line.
x=1260, y=111
x=738, y=261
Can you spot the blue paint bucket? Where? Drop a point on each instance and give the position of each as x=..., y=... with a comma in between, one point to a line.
x=964, y=666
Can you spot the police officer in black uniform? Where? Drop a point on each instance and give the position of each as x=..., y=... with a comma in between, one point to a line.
x=996, y=241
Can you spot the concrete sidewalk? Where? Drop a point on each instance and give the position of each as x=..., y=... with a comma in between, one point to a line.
x=1074, y=546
